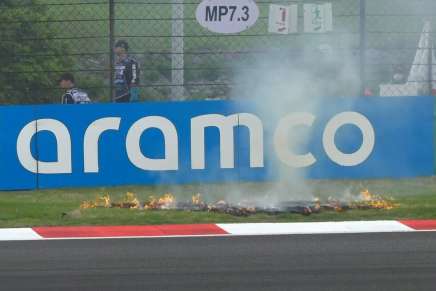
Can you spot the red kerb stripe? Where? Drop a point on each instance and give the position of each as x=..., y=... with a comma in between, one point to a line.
x=420, y=224
x=127, y=231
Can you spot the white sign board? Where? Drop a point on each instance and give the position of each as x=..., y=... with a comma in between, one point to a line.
x=318, y=18
x=227, y=16
x=283, y=19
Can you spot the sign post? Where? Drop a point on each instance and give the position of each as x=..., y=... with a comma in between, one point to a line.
x=318, y=18
x=177, y=50
x=227, y=16
x=283, y=19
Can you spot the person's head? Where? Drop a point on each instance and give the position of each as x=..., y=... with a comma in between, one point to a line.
x=66, y=81
x=121, y=48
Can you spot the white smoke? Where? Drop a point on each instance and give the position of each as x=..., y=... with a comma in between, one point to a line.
x=282, y=83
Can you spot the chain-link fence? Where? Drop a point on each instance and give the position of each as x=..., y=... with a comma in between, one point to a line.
x=399, y=57
x=179, y=59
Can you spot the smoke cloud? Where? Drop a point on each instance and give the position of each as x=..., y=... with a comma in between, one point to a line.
x=281, y=83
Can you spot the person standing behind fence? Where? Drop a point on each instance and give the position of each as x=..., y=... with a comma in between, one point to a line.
x=126, y=75
x=72, y=94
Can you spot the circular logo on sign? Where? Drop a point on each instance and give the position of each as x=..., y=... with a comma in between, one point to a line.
x=227, y=16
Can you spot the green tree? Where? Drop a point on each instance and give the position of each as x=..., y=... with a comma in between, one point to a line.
x=28, y=56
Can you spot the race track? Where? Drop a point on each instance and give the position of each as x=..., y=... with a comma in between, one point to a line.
x=396, y=261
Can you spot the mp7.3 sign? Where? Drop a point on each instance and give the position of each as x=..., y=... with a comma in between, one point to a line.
x=227, y=16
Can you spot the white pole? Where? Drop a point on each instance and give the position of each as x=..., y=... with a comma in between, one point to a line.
x=177, y=57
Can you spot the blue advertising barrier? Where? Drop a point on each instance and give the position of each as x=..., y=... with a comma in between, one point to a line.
x=213, y=141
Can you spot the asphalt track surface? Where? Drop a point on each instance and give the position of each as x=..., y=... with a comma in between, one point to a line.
x=396, y=261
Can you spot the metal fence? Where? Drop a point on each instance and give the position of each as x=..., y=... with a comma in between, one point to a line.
x=179, y=59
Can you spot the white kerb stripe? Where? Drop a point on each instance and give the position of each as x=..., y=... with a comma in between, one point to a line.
x=314, y=227
x=8, y=234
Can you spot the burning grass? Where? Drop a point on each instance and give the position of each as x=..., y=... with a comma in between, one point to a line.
x=414, y=199
x=364, y=201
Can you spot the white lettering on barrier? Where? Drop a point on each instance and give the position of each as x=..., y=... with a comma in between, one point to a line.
x=368, y=141
x=281, y=140
x=133, y=145
x=255, y=127
x=63, y=143
x=91, y=141
x=226, y=125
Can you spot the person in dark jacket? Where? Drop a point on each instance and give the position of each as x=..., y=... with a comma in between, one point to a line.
x=72, y=94
x=126, y=79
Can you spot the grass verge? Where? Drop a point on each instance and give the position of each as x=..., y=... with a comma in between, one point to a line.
x=416, y=198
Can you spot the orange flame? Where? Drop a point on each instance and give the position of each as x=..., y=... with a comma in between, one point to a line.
x=103, y=201
x=131, y=200
x=375, y=201
x=196, y=199
x=167, y=201
x=100, y=201
x=87, y=205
